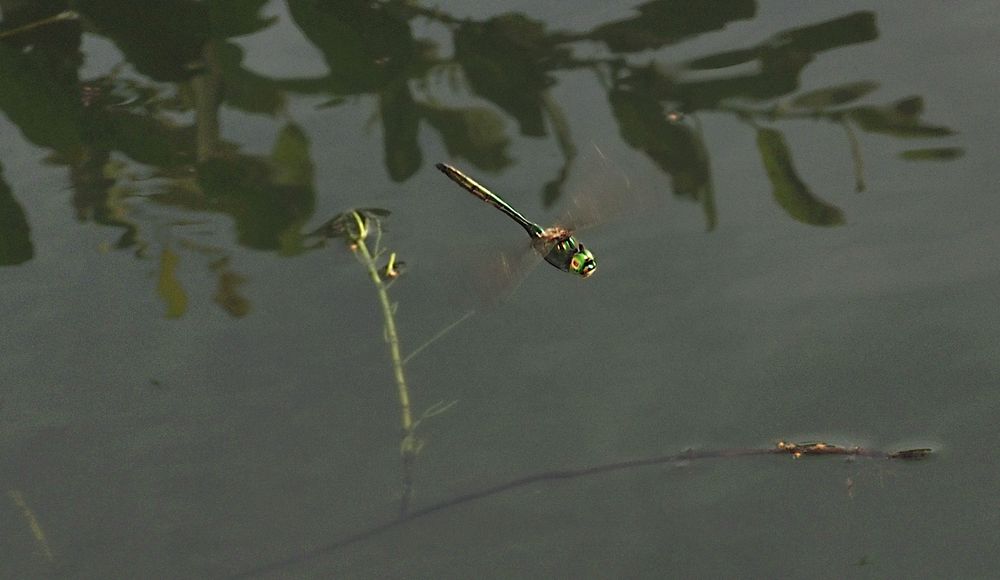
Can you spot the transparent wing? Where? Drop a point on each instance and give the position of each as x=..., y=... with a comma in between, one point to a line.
x=485, y=277
x=599, y=191
x=499, y=273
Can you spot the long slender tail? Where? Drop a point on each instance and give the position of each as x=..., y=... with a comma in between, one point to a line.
x=473, y=187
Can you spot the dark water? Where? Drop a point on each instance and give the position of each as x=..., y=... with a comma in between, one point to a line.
x=195, y=388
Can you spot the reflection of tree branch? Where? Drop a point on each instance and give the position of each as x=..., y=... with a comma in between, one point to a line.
x=706, y=193
x=858, y=162
x=796, y=450
x=64, y=15
x=901, y=118
x=560, y=126
x=206, y=87
x=509, y=59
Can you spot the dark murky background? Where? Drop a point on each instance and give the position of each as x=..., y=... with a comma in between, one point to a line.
x=193, y=388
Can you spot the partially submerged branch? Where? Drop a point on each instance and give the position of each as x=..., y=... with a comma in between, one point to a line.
x=796, y=450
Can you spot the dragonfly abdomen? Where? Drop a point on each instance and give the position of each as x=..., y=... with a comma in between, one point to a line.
x=473, y=187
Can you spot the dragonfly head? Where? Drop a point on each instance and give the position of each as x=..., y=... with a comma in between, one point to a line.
x=582, y=263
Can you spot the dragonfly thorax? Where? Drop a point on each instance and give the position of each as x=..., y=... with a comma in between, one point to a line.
x=564, y=251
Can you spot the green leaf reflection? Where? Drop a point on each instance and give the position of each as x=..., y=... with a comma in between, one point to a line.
x=35, y=99
x=169, y=287
x=933, y=154
x=506, y=60
x=901, y=119
x=832, y=96
x=15, y=233
x=789, y=191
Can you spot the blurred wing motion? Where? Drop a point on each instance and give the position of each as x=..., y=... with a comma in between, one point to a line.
x=599, y=192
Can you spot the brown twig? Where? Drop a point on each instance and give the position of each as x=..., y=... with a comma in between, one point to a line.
x=796, y=450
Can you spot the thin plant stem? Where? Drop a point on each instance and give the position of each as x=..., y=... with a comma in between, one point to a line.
x=437, y=336
x=409, y=445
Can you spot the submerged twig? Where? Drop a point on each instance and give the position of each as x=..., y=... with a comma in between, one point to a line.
x=796, y=450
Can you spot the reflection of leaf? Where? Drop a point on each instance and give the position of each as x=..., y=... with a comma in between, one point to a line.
x=400, y=124
x=144, y=138
x=245, y=90
x=161, y=39
x=290, y=158
x=832, y=96
x=474, y=133
x=365, y=44
x=933, y=154
x=672, y=146
x=232, y=18
x=506, y=61
x=724, y=59
x=245, y=188
x=662, y=22
x=47, y=112
x=227, y=293
x=853, y=28
x=168, y=287
x=15, y=234
x=789, y=191
x=901, y=119
x=778, y=61
x=97, y=196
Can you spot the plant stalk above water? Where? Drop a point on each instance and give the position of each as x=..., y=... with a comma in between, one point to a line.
x=410, y=445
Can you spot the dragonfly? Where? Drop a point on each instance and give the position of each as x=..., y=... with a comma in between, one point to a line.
x=556, y=244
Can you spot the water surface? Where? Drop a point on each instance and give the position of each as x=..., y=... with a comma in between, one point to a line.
x=194, y=387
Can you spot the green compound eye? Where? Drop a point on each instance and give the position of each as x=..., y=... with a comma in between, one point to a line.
x=583, y=263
